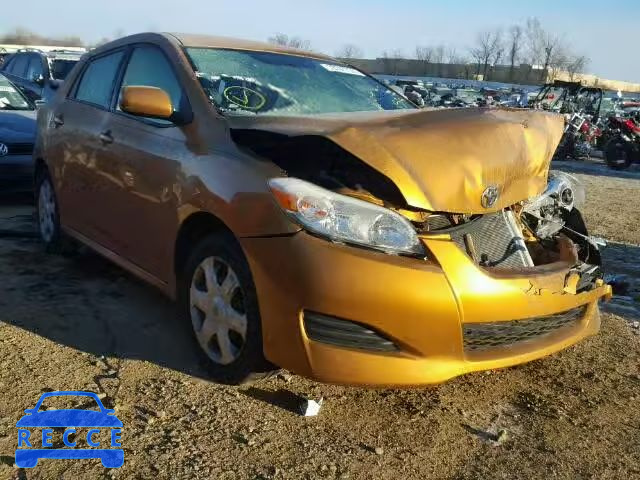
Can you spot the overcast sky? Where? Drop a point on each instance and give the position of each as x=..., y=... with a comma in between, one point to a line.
x=605, y=31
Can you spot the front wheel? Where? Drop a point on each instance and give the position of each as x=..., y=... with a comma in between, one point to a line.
x=218, y=297
x=618, y=154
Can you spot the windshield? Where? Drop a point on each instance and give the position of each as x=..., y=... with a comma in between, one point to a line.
x=11, y=98
x=468, y=95
x=60, y=68
x=271, y=83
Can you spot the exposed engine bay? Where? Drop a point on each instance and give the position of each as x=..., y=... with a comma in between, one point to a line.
x=529, y=234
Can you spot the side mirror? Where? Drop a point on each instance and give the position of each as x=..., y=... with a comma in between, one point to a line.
x=39, y=103
x=144, y=101
x=38, y=78
x=54, y=84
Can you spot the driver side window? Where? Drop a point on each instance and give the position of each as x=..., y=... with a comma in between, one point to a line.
x=149, y=67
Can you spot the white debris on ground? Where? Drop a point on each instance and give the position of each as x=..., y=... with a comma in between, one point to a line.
x=310, y=408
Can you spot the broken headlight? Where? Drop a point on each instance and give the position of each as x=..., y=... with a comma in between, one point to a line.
x=563, y=193
x=345, y=219
x=563, y=190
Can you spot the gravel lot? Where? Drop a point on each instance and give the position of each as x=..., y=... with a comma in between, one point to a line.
x=82, y=324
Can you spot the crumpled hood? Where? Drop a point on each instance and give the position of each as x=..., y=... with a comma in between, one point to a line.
x=441, y=160
x=17, y=126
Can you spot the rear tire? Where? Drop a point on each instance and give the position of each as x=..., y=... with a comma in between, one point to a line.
x=618, y=154
x=218, y=300
x=48, y=216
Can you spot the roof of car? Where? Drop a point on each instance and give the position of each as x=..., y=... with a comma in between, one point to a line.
x=210, y=41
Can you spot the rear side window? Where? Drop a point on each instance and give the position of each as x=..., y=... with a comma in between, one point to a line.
x=61, y=68
x=7, y=64
x=96, y=84
x=19, y=66
x=35, y=67
x=150, y=68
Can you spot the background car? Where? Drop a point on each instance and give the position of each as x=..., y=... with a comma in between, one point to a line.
x=17, y=136
x=39, y=74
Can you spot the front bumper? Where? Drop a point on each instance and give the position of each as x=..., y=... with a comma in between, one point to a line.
x=422, y=306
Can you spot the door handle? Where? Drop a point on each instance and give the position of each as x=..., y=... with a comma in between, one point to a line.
x=105, y=137
x=58, y=121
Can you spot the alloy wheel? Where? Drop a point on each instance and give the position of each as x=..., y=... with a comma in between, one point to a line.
x=217, y=308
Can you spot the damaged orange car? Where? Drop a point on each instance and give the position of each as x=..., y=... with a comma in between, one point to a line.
x=306, y=216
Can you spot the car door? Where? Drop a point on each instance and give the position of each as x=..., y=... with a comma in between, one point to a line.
x=144, y=156
x=77, y=146
x=34, y=78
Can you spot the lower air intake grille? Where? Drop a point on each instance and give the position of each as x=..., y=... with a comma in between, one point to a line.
x=344, y=333
x=496, y=240
x=483, y=336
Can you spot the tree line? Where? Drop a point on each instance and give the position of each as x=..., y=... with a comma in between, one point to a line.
x=23, y=36
x=528, y=43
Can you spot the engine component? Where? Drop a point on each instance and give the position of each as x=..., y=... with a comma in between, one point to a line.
x=494, y=240
x=563, y=193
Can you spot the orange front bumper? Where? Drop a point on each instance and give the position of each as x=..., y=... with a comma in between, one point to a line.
x=420, y=305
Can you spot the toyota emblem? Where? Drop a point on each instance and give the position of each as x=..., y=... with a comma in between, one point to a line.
x=3, y=150
x=490, y=196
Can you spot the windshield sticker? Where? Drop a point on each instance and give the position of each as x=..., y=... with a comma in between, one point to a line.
x=7, y=89
x=244, y=97
x=341, y=69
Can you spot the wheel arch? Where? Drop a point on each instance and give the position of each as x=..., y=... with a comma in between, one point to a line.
x=194, y=228
x=39, y=166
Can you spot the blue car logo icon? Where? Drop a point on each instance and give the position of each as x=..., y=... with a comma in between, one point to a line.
x=69, y=419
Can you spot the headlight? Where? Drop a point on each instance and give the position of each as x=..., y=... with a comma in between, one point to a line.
x=569, y=189
x=345, y=219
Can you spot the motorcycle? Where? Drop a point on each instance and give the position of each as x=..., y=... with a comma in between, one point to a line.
x=579, y=138
x=623, y=148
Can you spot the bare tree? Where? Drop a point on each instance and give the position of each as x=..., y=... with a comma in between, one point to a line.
x=553, y=56
x=534, y=35
x=285, y=40
x=438, y=58
x=488, y=49
x=498, y=48
x=451, y=55
x=577, y=65
x=350, y=51
x=514, y=47
x=424, y=55
x=544, y=47
x=392, y=61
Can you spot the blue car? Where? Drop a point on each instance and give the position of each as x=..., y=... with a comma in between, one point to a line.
x=68, y=418
x=17, y=136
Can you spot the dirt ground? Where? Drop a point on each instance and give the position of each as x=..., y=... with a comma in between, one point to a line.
x=82, y=324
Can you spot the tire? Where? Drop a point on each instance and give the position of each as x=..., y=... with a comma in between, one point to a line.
x=47, y=212
x=565, y=149
x=216, y=292
x=575, y=222
x=618, y=154
x=48, y=217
